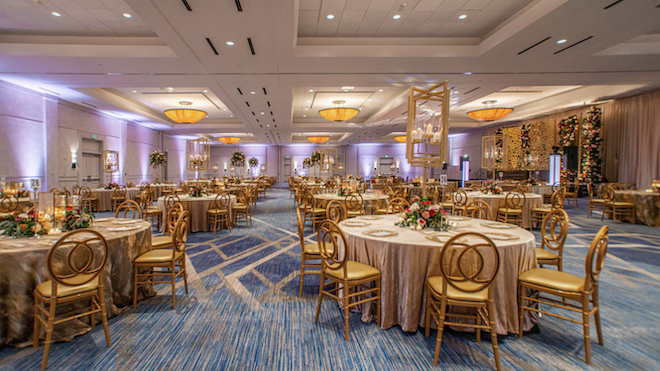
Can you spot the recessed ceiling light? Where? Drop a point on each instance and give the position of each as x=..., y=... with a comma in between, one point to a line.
x=308, y=101
x=56, y=14
x=330, y=16
x=205, y=91
x=304, y=115
x=252, y=93
x=127, y=15
x=311, y=90
x=306, y=108
x=134, y=91
x=262, y=113
x=467, y=73
x=462, y=16
x=369, y=100
x=224, y=109
x=561, y=41
x=267, y=126
x=348, y=87
x=230, y=43
x=397, y=16
x=380, y=90
x=231, y=115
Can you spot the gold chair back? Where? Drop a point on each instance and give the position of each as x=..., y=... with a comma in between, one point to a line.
x=173, y=214
x=119, y=192
x=557, y=198
x=301, y=230
x=597, y=250
x=590, y=190
x=479, y=210
x=474, y=187
x=460, y=198
x=397, y=205
x=336, y=211
x=387, y=190
x=328, y=235
x=523, y=188
x=616, y=186
x=56, y=190
x=354, y=202
x=170, y=201
x=180, y=235
x=77, y=258
x=85, y=193
x=555, y=230
x=608, y=193
x=75, y=190
x=469, y=267
x=8, y=204
x=515, y=200
x=129, y=205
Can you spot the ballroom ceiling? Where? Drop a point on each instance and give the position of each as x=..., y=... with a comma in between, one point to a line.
x=266, y=68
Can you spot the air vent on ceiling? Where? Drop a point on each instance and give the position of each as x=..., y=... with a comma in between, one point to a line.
x=253, y=113
x=271, y=113
x=613, y=4
x=239, y=91
x=404, y=113
x=468, y=92
x=257, y=120
x=273, y=120
x=248, y=104
x=268, y=103
x=265, y=91
x=211, y=45
x=251, y=46
x=187, y=5
x=537, y=44
x=238, y=5
x=570, y=46
x=88, y=104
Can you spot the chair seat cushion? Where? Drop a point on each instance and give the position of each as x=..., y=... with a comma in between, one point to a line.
x=381, y=211
x=545, y=254
x=157, y=256
x=597, y=201
x=354, y=212
x=622, y=204
x=314, y=249
x=452, y=293
x=355, y=271
x=552, y=279
x=118, y=198
x=45, y=288
x=317, y=210
x=239, y=207
x=160, y=241
x=510, y=211
x=544, y=209
x=217, y=211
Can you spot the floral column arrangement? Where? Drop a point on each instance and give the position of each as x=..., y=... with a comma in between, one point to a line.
x=253, y=162
x=238, y=160
x=591, y=163
x=316, y=159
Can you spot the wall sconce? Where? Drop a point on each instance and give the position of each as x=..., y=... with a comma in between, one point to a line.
x=74, y=159
x=225, y=166
x=375, y=165
x=398, y=164
x=263, y=168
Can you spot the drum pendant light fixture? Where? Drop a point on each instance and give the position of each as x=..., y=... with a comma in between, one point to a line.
x=490, y=112
x=318, y=139
x=230, y=140
x=185, y=114
x=339, y=113
x=401, y=139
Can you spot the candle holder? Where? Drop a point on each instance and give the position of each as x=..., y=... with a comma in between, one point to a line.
x=198, y=153
x=110, y=161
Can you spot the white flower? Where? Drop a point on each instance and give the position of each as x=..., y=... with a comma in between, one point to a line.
x=414, y=207
x=412, y=227
x=419, y=227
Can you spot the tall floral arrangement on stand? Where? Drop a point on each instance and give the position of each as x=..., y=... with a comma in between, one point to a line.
x=591, y=164
x=307, y=163
x=317, y=158
x=568, y=131
x=499, y=147
x=525, y=141
x=156, y=159
x=238, y=159
x=253, y=162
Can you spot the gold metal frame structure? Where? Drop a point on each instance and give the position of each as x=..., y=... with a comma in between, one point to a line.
x=110, y=161
x=198, y=153
x=329, y=159
x=490, y=153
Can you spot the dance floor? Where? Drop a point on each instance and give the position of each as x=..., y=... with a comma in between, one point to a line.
x=244, y=313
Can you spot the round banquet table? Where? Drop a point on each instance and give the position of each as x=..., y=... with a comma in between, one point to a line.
x=370, y=200
x=197, y=207
x=24, y=265
x=647, y=205
x=497, y=201
x=105, y=197
x=409, y=258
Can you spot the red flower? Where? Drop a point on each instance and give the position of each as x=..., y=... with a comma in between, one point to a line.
x=405, y=211
x=444, y=212
x=69, y=208
x=432, y=212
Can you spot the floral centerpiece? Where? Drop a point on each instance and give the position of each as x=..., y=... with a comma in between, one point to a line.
x=253, y=162
x=195, y=191
x=343, y=192
x=568, y=130
x=75, y=219
x=307, y=162
x=18, y=193
x=21, y=225
x=531, y=182
x=351, y=176
x=237, y=159
x=111, y=186
x=421, y=214
x=156, y=159
x=416, y=184
x=317, y=158
x=490, y=188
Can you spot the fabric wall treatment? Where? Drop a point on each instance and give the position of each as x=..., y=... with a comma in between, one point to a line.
x=632, y=139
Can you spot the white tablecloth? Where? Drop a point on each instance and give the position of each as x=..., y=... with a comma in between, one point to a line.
x=408, y=259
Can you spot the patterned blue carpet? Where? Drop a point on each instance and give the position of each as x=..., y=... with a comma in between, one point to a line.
x=243, y=313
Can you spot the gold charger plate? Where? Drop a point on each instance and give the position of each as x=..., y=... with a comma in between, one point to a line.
x=501, y=236
x=495, y=225
x=443, y=237
x=356, y=223
x=380, y=233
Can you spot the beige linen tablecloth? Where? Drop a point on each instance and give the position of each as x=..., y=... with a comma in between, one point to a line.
x=197, y=207
x=647, y=205
x=105, y=197
x=371, y=200
x=408, y=259
x=497, y=201
x=24, y=265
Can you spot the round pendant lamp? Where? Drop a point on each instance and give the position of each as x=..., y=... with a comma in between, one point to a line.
x=230, y=140
x=185, y=114
x=339, y=113
x=401, y=138
x=490, y=112
x=318, y=139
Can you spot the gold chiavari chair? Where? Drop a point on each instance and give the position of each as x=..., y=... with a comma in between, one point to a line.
x=310, y=251
x=553, y=235
x=315, y=213
x=87, y=202
x=165, y=241
x=479, y=210
x=8, y=204
x=149, y=211
x=556, y=202
x=218, y=212
x=253, y=196
x=614, y=208
x=75, y=190
x=344, y=274
x=447, y=203
x=460, y=288
x=513, y=210
x=129, y=206
x=118, y=196
x=567, y=286
x=130, y=185
x=354, y=204
x=242, y=208
x=430, y=193
x=261, y=188
x=336, y=211
x=57, y=190
x=572, y=195
x=75, y=265
x=594, y=202
x=459, y=200
x=164, y=258
x=397, y=206
x=474, y=187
